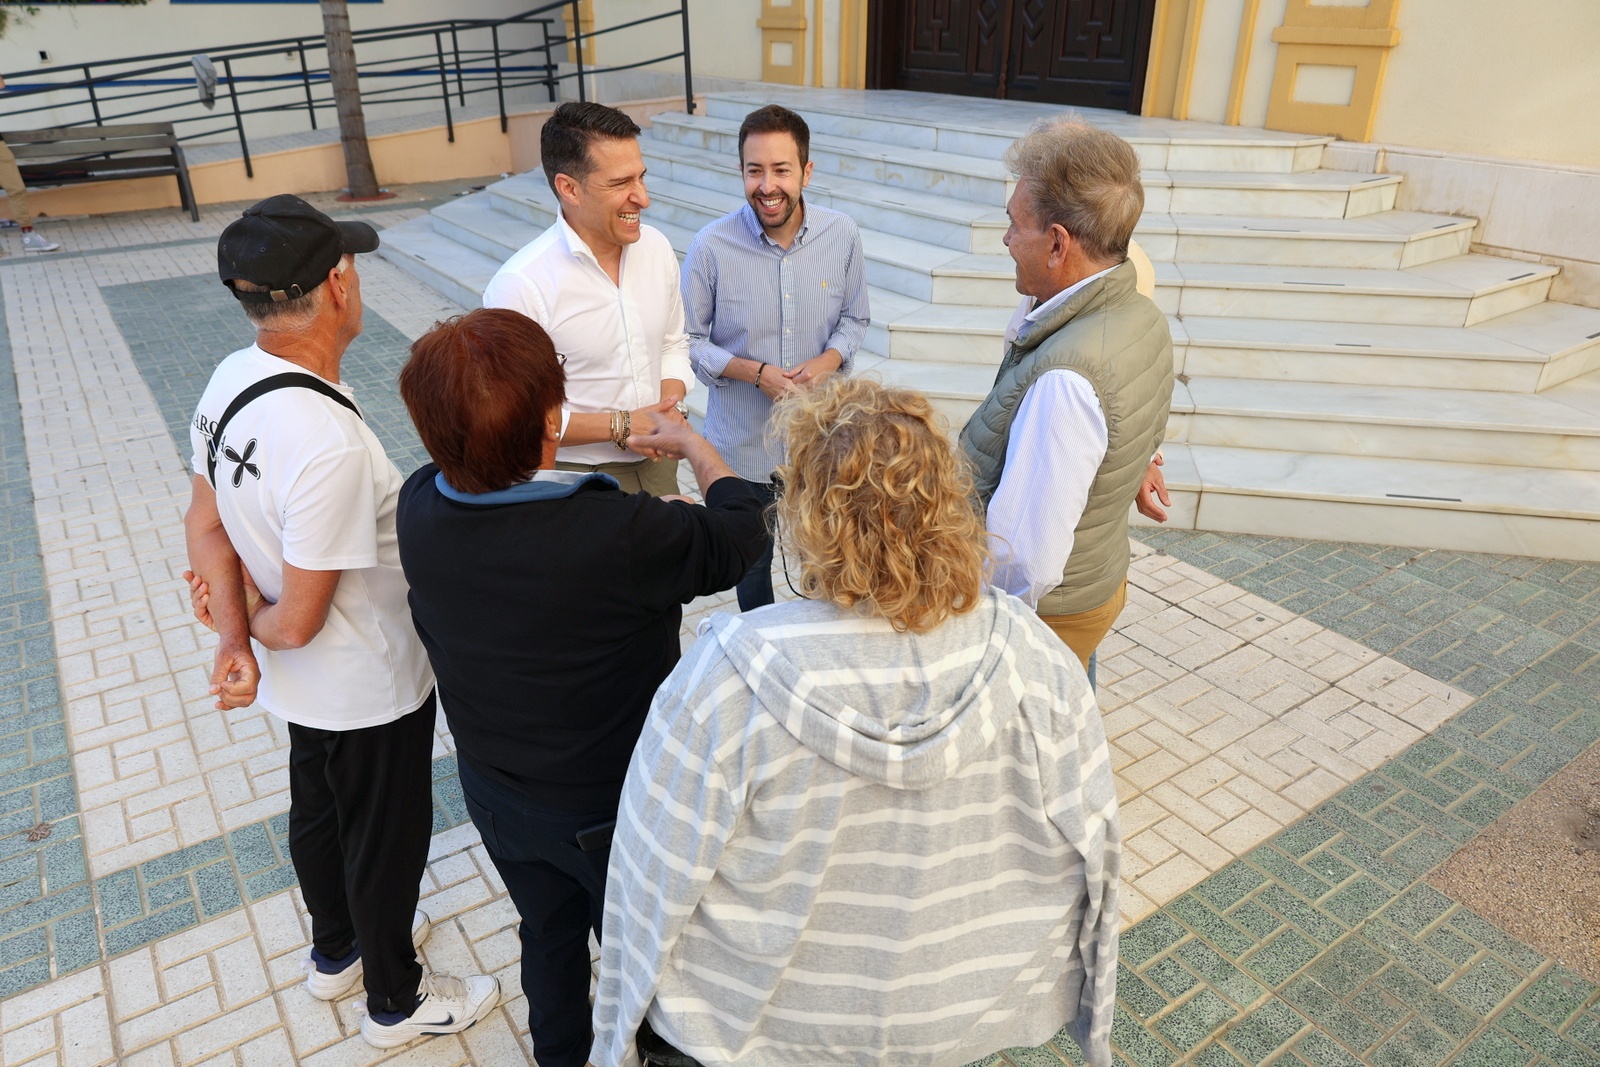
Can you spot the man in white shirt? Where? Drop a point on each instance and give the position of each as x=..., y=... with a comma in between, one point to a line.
x=605, y=288
x=1064, y=442
x=290, y=482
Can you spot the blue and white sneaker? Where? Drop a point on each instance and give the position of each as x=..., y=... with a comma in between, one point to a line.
x=445, y=1005
x=331, y=979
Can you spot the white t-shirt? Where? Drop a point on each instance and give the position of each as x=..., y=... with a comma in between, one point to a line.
x=302, y=480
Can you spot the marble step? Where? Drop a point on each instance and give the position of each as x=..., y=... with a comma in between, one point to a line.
x=955, y=389
x=923, y=271
x=942, y=333
x=984, y=128
x=528, y=197
x=1460, y=506
x=982, y=180
x=485, y=224
x=958, y=388
x=677, y=210
x=1313, y=194
x=1455, y=292
x=1553, y=429
x=531, y=207
x=985, y=180
x=1460, y=291
x=1523, y=352
x=478, y=222
x=1450, y=292
x=958, y=224
x=1388, y=239
x=1498, y=508
x=452, y=268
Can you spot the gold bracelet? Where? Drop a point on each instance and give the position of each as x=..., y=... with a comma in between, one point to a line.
x=621, y=440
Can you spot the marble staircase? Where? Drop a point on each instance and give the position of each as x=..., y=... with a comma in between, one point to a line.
x=1346, y=370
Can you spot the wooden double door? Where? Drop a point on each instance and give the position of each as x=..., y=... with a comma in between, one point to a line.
x=1086, y=53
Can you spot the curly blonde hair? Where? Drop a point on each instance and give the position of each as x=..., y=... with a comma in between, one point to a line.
x=877, y=504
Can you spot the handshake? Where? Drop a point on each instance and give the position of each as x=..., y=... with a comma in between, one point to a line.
x=660, y=431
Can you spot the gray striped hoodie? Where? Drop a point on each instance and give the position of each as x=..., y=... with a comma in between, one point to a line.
x=839, y=844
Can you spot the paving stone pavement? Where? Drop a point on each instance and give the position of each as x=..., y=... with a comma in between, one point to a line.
x=1301, y=731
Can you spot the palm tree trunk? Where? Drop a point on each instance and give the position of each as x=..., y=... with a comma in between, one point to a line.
x=347, y=98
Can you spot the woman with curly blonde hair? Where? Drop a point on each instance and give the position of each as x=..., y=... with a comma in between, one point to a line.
x=878, y=506
x=873, y=826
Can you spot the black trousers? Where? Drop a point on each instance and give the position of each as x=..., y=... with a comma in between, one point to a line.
x=755, y=588
x=655, y=1052
x=560, y=893
x=360, y=814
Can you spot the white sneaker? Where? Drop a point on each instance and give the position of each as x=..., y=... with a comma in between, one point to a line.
x=448, y=1005
x=34, y=241
x=331, y=979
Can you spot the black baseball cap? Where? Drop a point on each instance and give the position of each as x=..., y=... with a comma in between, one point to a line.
x=287, y=246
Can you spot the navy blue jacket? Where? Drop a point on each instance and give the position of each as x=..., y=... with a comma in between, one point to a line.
x=550, y=623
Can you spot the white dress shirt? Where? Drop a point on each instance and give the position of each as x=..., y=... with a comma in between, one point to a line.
x=1058, y=441
x=620, y=340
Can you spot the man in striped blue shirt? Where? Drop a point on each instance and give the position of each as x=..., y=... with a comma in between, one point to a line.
x=774, y=298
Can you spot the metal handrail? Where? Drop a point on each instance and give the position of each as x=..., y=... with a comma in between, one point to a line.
x=109, y=86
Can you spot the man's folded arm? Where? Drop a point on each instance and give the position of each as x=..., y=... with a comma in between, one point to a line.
x=212, y=558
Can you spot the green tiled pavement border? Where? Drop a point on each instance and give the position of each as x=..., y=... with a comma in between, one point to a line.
x=1325, y=947
x=53, y=920
x=1527, y=628
x=1321, y=948
x=184, y=888
x=47, y=924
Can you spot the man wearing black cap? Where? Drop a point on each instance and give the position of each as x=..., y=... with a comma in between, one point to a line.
x=292, y=484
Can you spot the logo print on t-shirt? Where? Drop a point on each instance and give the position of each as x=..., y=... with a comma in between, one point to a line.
x=243, y=462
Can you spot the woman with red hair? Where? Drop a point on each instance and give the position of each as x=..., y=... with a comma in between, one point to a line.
x=550, y=604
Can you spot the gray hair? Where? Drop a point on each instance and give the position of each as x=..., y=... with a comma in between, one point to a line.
x=288, y=315
x=1084, y=179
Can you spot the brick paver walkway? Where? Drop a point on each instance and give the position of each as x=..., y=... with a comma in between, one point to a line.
x=1302, y=731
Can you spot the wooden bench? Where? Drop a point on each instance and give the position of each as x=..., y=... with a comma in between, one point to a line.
x=71, y=155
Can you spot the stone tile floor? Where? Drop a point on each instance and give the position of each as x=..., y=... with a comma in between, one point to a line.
x=1302, y=731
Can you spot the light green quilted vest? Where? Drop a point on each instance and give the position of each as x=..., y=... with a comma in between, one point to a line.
x=1120, y=342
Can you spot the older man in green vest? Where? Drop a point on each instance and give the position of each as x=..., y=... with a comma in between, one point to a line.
x=1068, y=437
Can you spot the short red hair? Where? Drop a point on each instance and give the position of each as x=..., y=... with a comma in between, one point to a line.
x=478, y=388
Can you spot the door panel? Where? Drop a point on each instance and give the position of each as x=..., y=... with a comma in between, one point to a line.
x=1089, y=53
x=1074, y=52
x=952, y=46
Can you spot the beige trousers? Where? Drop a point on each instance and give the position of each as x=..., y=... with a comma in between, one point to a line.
x=16, y=192
x=656, y=477
x=1083, y=631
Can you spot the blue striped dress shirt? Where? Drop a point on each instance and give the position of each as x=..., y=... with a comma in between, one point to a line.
x=744, y=295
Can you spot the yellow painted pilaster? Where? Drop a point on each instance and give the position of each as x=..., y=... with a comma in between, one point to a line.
x=817, y=23
x=1241, y=60
x=585, y=26
x=1191, y=45
x=853, y=44
x=783, y=41
x=1174, y=40
x=1331, y=62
